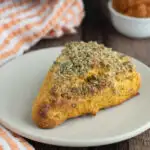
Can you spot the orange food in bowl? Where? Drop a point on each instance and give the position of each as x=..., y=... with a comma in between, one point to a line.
x=135, y=8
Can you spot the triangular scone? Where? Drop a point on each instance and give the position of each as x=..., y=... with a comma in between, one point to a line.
x=85, y=78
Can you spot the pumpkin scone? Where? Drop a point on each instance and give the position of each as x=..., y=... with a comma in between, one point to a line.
x=85, y=78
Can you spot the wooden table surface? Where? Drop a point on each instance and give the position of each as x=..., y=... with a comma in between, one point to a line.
x=100, y=30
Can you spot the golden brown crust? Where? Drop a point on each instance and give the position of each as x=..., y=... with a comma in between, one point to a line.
x=56, y=116
x=52, y=108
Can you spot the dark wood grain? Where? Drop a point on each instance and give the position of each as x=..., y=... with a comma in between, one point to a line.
x=123, y=145
x=141, y=142
x=91, y=31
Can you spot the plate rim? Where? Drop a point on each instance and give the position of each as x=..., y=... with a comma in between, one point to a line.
x=86, y=143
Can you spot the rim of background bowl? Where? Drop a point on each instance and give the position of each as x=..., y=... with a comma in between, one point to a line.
x=124, y=16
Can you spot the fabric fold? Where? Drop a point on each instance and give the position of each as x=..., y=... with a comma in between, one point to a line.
x=24, y=23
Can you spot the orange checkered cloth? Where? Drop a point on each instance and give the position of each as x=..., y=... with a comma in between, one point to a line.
x=22, y=24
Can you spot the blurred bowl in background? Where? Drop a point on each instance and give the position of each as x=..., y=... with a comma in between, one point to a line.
x=129, y=26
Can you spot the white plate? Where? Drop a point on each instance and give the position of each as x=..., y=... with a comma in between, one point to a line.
x=20, y=81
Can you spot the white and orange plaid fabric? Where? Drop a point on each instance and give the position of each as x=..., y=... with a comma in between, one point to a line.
x=11, y=141
x=22, y=24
